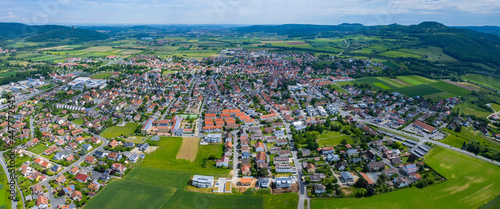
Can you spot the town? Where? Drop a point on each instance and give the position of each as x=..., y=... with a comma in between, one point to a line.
x=262, y=122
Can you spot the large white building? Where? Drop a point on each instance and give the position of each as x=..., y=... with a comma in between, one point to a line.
x=203, y=181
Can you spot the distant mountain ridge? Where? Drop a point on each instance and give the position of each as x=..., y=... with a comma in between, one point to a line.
x=484, y=29
x=40, y=33
x=464, y=44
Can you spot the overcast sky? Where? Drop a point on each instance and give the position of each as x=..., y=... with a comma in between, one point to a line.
x=368, y=12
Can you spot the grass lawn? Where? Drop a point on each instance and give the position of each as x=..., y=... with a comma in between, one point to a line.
x=78, y=121
x=38, y=149
x=101, y=75
x=471, y=183
x=332, y=138
x=115, y=131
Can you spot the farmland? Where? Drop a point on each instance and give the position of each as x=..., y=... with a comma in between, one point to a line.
x=413, y=85
x=486, y=80
x=189, y=148
x=471, y=183
x=115, y=131
x=161, y=181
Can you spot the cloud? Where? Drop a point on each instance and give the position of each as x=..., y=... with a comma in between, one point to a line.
x=255, y=11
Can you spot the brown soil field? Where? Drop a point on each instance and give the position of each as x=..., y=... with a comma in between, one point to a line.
x=189, y=148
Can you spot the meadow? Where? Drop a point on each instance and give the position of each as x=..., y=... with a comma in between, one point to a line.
x=161, y=181
x=4, y=193
x=470, y=109
x=332, y=138
x=102, y=75
x=470, y=184
x=38, y=149
x=457, y=139
x=115, y=131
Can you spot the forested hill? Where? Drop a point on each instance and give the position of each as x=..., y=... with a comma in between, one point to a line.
x=485, y=29
x=463, y=44
x=41, y=33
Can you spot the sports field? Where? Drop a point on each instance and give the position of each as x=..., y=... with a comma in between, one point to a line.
x=471, y=183
x=189, y=148
x=115, y=131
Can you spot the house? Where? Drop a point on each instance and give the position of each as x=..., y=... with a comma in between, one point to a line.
x=332, y=158
x=86, y=147
x=401, y=181
x=306, y=152
x=90, y=160
x=310, y=168
x=37, y=189
x=283, y=182
x=100, y=154
x=133, y=158
x=341, y=166
x=245, y=170
x=143, y=147
x=281, y=160
x=246, y=181
x=76, y=195
x=411, y=168
x=346, y=177
x=119, y=168
x=113, y=144
x=82, y=177
x=352, y=152
x=223, y=162
x=263, y=182
x=396, y=161
x=60, y=179
x=259, y=147
x=282, y=142
x=213, y=138
x=376, y=166
x=115, y=156
x=319, y=189
x=203, y=181
x=74, y=170
x=42, y=202
x=326, y=150
x=284, y=168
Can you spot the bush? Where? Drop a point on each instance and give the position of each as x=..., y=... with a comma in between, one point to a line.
x=264, y=191
x=249, y=191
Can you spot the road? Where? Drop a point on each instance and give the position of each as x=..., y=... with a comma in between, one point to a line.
x=32, y=128
x=422, y=140
x=302, y=191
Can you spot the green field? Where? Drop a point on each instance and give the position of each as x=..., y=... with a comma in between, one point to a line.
x=78, y=121
x=101, y=75
x=161, y=180
x=128, y=194
x=457, y=139
x=165, y=158
x=415, y=79
x=4, y=194
x=450, y=88
x=471, y=183
x=38, y=149
x=396, y=54
x=44, y=87
x=418, y=90
x=495, y=107
x=332, y=138
x=115, y=131
x=189, y=116
x=470, y=109
x=490, y=81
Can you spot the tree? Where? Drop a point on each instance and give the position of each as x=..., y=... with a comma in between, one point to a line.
x=361, y=183
x=343, y=142
x=263, y=172
x=458, y=128
x=361, y=192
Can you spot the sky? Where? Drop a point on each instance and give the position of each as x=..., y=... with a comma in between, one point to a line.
x=249, y=12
